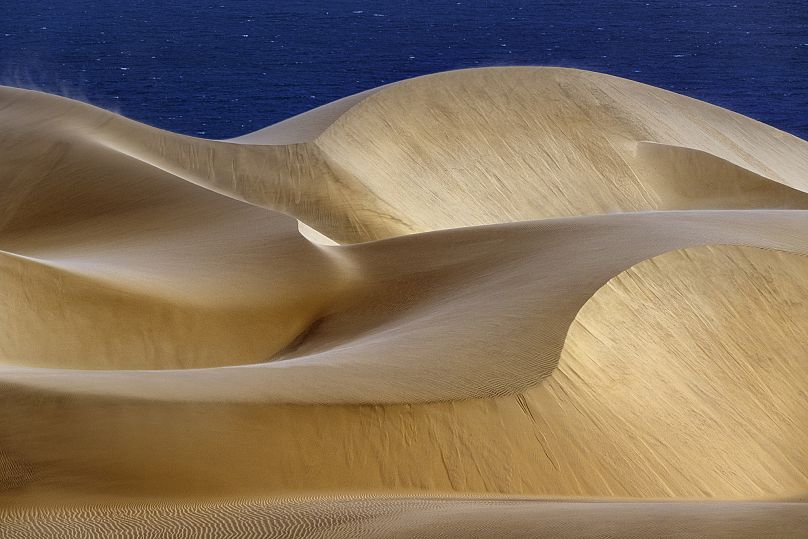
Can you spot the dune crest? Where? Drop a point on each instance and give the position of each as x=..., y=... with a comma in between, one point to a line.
x=498, y=282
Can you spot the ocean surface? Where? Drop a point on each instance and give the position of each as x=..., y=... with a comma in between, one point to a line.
x=222, y=68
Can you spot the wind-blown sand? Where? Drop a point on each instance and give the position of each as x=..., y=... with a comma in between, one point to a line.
x=494, y=302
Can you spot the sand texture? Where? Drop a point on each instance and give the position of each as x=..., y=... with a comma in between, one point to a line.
x=500, y=302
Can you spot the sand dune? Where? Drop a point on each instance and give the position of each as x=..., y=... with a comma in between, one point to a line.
x=498, y=282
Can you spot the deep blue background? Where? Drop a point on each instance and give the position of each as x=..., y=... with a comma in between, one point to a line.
x=225, y=67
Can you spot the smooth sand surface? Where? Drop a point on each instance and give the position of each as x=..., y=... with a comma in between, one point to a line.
x=576, y=300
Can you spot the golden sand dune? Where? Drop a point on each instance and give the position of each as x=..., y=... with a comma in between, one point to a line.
x=581, y=287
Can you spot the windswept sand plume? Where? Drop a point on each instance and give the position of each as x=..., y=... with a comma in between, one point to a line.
x=496, y=302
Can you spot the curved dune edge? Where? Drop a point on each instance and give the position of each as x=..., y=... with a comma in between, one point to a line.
x=538, y=142
x=707, y=417
x=315, y=307
x=424, y=517
x=462, y=285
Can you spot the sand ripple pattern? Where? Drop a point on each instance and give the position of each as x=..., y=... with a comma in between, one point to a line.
x=418, y=518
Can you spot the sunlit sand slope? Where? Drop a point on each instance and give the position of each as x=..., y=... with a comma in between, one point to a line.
x=493, y=145
x=582, y=287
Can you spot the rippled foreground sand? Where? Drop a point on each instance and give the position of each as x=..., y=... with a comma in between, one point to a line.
x=500, y=302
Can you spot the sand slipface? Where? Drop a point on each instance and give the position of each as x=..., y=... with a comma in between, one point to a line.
x=493, y=302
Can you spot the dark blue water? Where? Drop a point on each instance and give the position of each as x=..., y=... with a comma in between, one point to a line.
x=222, y=68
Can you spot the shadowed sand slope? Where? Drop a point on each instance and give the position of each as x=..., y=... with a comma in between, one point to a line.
x=581, y=286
